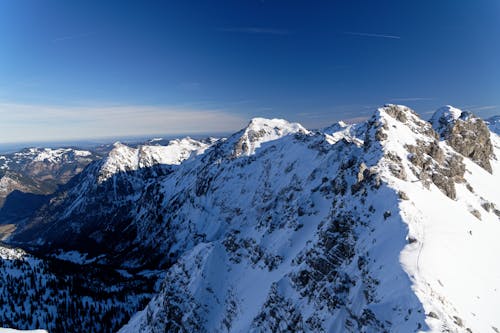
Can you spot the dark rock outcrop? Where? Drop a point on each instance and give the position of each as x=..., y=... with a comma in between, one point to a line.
x=466, y=133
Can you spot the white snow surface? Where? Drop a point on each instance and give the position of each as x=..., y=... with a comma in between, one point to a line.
x=422, y=262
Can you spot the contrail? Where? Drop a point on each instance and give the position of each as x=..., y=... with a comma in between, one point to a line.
x=366, y=34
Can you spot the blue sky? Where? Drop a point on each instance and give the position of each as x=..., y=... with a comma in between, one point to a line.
x=82, y=69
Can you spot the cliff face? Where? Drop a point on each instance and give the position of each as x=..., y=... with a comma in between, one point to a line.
x=466, y=133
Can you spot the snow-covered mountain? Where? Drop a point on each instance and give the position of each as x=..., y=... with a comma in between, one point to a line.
x=387, y=225
x=376, y=232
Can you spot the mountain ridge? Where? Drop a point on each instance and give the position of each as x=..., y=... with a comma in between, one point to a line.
x=340, y=229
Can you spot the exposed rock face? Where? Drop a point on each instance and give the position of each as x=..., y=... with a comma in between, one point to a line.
x=471, y=138
x=432, y=165
x=466, y=133
x=429, y=161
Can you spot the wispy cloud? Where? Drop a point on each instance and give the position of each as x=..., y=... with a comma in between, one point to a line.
x=23, y=122
x=256, y=30
x=412, y=99
x=367, y=34
x=70, y=37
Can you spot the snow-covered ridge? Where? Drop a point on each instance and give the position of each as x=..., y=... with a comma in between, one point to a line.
x=342, y=130
x=261, y=130
x=123, y=158
x=51, y=155
x=55, y=155
x=43, y=155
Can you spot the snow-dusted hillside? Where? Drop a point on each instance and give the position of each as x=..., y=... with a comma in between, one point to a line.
x=40, y=170
x=387, y=225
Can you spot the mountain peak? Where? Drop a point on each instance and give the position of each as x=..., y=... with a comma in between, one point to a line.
x=258, y=123
x=261, y=130
x=443, y=117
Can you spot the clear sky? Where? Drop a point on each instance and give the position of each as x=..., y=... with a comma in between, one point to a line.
x=82, y=69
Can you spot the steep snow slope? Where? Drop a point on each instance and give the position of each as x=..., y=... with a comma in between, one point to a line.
x=385, y=229
x=453, y=242
x=494, y=124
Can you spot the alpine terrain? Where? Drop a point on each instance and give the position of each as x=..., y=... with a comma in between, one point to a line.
x=388, y=225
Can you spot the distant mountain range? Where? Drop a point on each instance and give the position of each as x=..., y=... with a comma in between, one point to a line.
x=386, y=225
